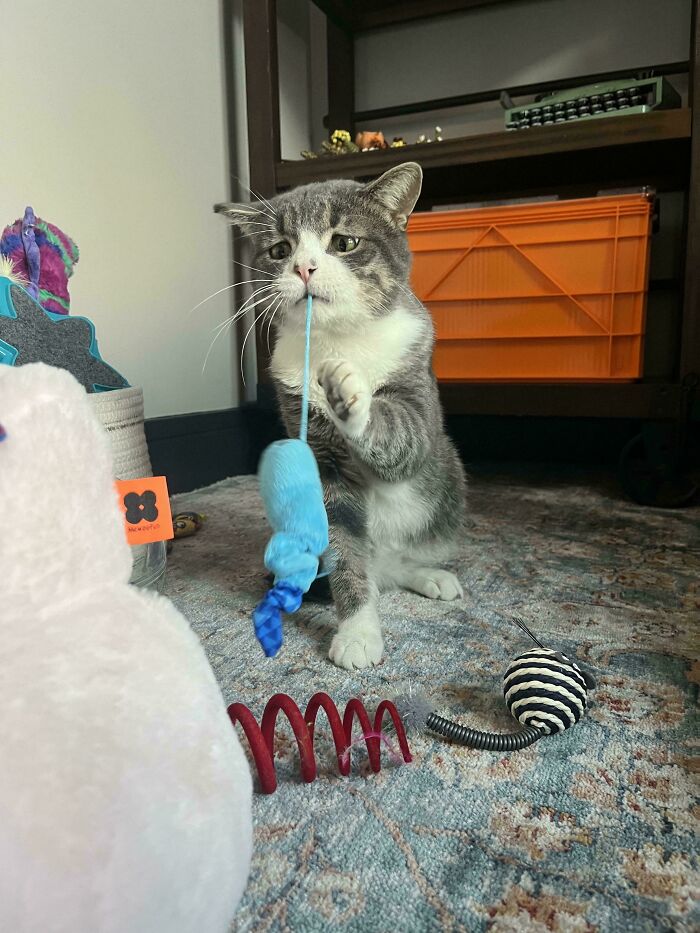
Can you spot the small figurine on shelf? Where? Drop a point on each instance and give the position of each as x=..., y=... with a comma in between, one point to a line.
x=397, y=142
x=370, y=139
x=340, y=143
x=428, y=139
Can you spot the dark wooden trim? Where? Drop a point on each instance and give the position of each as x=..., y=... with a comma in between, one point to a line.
x=227, y=24
x=262, y=96
x=341, y=78
x=690, y=337
x=338, y=11
x=373, y=15
x=362, y=15
x=262, y=92
x=522, y=90
x=564, y=400
x=655, y=127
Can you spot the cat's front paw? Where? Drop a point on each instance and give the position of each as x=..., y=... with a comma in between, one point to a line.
x=348, y=395
x=358, y=643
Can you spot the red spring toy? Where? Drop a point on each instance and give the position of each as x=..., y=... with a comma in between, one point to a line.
x=261, y=738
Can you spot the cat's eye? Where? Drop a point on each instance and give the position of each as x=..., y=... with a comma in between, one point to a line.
x=344, y=243
x=280, y=250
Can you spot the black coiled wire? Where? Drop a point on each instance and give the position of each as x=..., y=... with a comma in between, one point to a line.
x=488, y=741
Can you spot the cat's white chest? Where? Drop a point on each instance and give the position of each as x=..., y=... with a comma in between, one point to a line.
x=376, y=352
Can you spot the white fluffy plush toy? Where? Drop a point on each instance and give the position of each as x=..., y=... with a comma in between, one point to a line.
x=125, y=797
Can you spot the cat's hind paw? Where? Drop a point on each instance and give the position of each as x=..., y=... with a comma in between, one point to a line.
x=434, y=583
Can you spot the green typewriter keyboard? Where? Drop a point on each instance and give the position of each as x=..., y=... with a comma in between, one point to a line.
x=609, y=99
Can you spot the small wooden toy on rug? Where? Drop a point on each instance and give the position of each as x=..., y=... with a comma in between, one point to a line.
x=186, y=524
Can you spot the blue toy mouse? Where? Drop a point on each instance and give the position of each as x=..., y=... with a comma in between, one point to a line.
x=291, y=489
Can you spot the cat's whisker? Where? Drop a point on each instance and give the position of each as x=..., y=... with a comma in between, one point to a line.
x=245, y=340
x=383, y=304
x=249, y=302
x=410, y=294
x=237, y=262
x=247, y=236
x=229, y=322
x=211, y=345
x=242, y=312
x=261, y=223
x=224, y=289
x=268, y=228
x=261, y=211
x=255, y=194
x=264, y=201
x=270, y=320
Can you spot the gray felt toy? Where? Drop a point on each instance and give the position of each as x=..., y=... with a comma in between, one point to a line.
x=29, y=334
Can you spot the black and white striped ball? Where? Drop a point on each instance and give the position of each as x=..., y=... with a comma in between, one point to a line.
x=545, y=689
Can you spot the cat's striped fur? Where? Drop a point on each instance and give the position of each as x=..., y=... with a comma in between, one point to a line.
x=394, y=485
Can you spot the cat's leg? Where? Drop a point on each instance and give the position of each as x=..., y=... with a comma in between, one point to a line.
x=359, y=642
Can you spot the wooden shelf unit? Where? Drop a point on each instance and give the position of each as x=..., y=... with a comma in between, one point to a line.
x=660, y=150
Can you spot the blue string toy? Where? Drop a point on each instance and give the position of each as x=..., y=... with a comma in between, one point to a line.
x=290, y=486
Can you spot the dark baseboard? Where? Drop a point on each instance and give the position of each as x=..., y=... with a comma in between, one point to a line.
x=201, y=448
x=197, y=449
x=583, y=441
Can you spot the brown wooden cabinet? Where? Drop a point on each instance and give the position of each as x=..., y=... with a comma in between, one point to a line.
x=660, y=149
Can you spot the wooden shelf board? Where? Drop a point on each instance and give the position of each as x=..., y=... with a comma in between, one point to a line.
x=361, y=15
x=657, y=128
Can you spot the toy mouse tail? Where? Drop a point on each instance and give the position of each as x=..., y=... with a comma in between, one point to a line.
x=267, y=615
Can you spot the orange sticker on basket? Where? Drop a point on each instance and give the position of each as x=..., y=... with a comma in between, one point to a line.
x=145, y=505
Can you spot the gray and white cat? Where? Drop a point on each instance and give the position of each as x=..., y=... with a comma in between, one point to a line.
x=394, y=486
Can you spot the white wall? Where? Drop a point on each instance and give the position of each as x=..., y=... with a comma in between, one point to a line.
x=113, y=128
x=294, y=76
x=297, y=98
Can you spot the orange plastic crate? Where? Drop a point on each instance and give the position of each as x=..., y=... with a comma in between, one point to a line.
x=551, y=291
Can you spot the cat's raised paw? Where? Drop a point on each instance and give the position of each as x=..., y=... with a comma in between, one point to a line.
x=434, y=583
x=348, y=395
x=357, y=645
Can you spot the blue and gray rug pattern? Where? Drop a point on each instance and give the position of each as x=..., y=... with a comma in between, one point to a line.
x=593, y=830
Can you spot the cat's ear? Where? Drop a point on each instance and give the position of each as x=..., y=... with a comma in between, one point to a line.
x=398, y=190
x=246, y=216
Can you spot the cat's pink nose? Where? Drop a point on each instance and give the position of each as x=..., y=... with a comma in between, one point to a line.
x=304, y=271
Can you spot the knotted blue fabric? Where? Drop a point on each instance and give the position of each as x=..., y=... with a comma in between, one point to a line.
x=267, y=615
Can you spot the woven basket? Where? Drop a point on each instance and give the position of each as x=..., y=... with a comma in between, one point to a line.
x=121, y=413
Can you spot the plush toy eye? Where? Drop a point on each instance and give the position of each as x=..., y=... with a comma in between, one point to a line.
x=344, y=243
x=280, y=250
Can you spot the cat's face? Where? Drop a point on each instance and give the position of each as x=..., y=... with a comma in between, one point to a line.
x=340, y=241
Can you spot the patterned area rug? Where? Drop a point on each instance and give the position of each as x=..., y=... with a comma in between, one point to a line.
x=591, y=830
